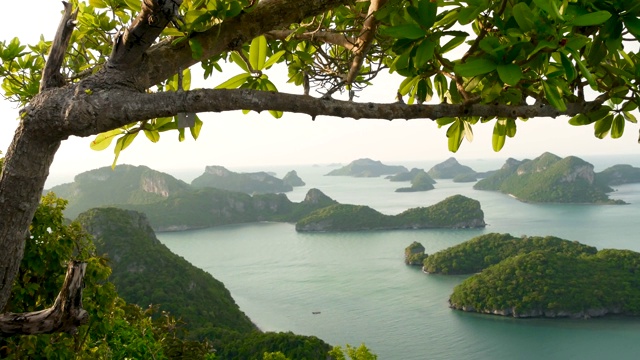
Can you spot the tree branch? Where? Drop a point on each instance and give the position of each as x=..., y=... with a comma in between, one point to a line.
x=130, y=45
x=327, y=37
x=119, y=108
x=51, y=76
x=364, y=41
x=65, y=315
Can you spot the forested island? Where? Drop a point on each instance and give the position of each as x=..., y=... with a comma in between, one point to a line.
x=419, y=179
x=452, y=169
x=454, y=212
x=251, y=183
x=549, y=179
x=539, y=277
x=367, y=168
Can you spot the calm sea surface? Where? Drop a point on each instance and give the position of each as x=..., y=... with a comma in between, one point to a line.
x=364, y=292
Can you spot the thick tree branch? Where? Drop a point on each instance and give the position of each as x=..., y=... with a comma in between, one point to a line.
x=51, y=76
x=364, y=41
x=65, y=315
x=125, y=107
x=130, y=45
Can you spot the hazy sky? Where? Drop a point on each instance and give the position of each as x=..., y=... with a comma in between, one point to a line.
x=235, y=140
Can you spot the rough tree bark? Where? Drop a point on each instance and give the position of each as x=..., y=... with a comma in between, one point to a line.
x=115, y=96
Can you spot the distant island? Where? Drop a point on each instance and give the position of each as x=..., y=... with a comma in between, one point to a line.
x=366, y=168
x=251, y=183
x=454, y=212
x=549, y=179
x=452, y=169
x=618, y=175
x=539, y=277
x=420, y=180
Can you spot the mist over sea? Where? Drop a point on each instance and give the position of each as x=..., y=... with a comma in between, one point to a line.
x=358, y=283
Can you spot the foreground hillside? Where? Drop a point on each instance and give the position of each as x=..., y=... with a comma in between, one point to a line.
x=146, y=272
x=454, y=212
x=549, y=179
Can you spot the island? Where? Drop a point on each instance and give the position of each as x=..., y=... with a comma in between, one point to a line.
x=414, y=254
x=549, y=179
x=618, y=175
x=420, y=180
x=531, y=276
x=450, y=169
x=251, y=183
x=367, y=168
x=292, y=178
x=454, y=212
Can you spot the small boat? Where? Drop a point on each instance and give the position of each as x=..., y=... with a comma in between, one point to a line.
x=315, y=312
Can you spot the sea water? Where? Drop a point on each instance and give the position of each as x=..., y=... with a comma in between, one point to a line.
x=353, y=287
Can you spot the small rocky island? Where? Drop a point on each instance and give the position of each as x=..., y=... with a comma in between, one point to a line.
x=367, y=168
x=414, y=254
x=529, y=277
x=455, y=212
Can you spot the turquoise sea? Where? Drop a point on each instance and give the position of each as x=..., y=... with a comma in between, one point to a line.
x=364, y=293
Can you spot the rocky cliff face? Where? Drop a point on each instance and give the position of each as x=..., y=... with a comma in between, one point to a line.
x=293, y=179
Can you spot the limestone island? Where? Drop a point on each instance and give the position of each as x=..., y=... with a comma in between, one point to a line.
x=251, y=183
x=454, y=212
x=452, y=169
x=540, y=277
x=549, y=179
x=366, y=168
x=420, y=180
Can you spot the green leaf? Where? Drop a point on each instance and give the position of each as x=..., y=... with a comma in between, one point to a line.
x=586, y=73
x=524, y=16
x=152, y=135
x=633, y=25
x=499, y=135
x=273, y=59
x=452, y=44
x=511, y=74
x=98, y=4
x=454, y=133
x=581, y=119
x=404, y=31
x=468, y=132
x=195, y=129
x=550, y=7
x=234, y=82
x=427, y=12
x=475, y=67
x=567, y=65
x=407, y=84
x=617, y=127
x=424, y=52
x=553, y=96
x=122, y=143
x=590, y=19
x=258, y=52
x=629, y=117
x=440, y=84
x=444, y=121
x=103, y=140
x=134, y=5
x=196, y=49
x=468, y=14
x=239, y=60
x=602, y=127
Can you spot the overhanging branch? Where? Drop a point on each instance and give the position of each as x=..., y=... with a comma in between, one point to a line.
x=126, y=107
x=51, y=77
x=364, y=41
x=65, y=315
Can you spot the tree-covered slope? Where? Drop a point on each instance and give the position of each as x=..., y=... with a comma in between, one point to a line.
x=454, y=212
x=421, y=181
x=125, y=184
x=618, y=175
x=146, y=272
x=251, y=183
x=485, y=250
x=552, y=284
x=548, y=178
x=367, y=168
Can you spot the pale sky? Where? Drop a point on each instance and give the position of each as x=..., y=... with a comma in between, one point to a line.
x=235, y=140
